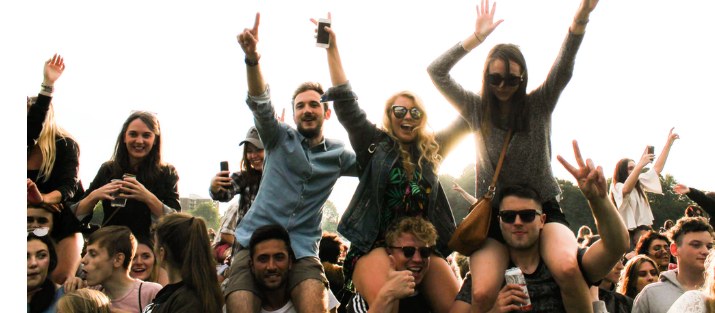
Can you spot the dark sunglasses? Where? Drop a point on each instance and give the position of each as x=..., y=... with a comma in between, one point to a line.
x=510, y=80
x=401, y=112
x=526, y=216
x=409, y=251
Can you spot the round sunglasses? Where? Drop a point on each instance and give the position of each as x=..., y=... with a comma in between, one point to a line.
x=400, y=112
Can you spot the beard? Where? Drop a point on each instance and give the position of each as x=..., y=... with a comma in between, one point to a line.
x=310, y=133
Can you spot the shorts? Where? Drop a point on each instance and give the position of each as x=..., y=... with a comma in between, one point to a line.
x=241, y=277
x=551, y=208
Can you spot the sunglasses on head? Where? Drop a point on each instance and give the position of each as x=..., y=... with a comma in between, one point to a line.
x=409, y=251
x=39, y=232
x=400, y=112
x=526, y=216
x=510, y=80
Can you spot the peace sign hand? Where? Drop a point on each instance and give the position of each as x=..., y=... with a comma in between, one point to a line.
x=590, y=178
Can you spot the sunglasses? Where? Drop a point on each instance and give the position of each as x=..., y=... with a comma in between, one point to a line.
x=510, y=80
x=39, y=232
x=400, y=112
x=409, y=251
x=526, y=216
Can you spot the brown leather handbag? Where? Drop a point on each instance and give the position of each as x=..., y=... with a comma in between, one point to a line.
x=472, y=231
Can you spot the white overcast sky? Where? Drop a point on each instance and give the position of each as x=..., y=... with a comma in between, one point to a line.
x=644, y=67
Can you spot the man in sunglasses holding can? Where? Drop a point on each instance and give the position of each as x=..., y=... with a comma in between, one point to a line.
x=410, y=243
x=521, y=219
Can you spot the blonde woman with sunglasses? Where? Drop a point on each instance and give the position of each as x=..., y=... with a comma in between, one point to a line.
x=398, y=166
x=504, y=104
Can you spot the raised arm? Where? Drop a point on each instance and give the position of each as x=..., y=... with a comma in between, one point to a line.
x=485, y=25
x=632, y=179
x=603, y=255
x=462, y=99
x=37, y=108
x=362, y=133
x=248, y=40
x=580, y=20
x=705, y=202
x=660, y=161
x=258, y=94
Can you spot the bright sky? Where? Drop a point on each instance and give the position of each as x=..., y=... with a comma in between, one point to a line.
x=632, y=81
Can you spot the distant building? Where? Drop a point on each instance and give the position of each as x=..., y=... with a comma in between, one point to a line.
x=190, y=203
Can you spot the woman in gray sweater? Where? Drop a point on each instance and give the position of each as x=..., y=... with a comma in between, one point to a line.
x=504, y=104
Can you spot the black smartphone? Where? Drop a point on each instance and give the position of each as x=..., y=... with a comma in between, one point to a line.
x=651, y=149
x=323, y=38
x=224, y=167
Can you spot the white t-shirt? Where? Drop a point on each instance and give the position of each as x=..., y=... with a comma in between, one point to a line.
x=289, y=308
x=692, y=301
x=634, y=209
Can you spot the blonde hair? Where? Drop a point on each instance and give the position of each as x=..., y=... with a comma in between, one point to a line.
x=84, y=300
x=425, y=140
x=46, y=141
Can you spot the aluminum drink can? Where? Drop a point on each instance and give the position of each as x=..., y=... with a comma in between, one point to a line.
x=515, y=276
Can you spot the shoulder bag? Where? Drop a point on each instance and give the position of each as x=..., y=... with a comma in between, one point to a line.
x=472, y=231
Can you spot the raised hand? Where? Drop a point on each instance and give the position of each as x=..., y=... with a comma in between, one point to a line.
x=248, y=40
x=681, y=189
x=590, y=178
x=54, y=67
x=672, y=136
x=646, y=158
x=221, y=181
x=485, y=24
x=328, y=29
x=585, y=9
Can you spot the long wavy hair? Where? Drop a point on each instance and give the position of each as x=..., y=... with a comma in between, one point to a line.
x=709, y=286
x=519, y=113
x=620, y=174
x=252, y=175
x=51, y=132
x=425, y=141
x=149, y=168
x=185, y=241
x=629, y=275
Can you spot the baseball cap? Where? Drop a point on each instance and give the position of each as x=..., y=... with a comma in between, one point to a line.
x=252, y=137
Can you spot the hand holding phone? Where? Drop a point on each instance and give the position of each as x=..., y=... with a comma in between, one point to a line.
x=323, y=38
x=651, y=150
x=224, y=167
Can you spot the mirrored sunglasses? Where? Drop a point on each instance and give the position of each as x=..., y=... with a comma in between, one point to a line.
x=400, y=112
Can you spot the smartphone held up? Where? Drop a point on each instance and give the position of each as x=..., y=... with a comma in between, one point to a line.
x=323, y=38
x=224, y=167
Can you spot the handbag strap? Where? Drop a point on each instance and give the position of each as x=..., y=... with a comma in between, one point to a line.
x=493, y=186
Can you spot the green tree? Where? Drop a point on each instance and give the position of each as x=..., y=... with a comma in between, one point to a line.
x=330, y=217
x=575, y=206
x=208, y=210
x=669, y=205
x=459, y=206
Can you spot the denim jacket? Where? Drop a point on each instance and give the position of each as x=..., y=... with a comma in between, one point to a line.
x=376, y=154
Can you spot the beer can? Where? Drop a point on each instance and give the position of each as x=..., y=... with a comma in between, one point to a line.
x=515, y=276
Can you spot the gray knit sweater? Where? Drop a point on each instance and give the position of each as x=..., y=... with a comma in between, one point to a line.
x=528, y=159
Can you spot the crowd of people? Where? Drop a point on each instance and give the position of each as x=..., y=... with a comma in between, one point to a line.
x=391, y=252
